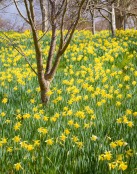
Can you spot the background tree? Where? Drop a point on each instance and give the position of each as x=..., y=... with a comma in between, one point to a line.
x=106, y=9
x=124, y=9
x=44, y=12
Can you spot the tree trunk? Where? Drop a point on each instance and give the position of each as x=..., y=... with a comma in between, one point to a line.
x=113, y=21
x=92, y=14
x=44, y=15
x=124, y=21
x=93, y=22
x=135, y=22
x=44, y=82
x=44, y=90
x=119, y=20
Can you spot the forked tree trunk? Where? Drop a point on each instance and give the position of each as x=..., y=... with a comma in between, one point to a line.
x=113, y=21
x=44, y=77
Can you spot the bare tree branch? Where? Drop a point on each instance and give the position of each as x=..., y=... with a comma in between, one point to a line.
x=53, y=39
x=104, y=16
x=60, y=52
x=20, y=11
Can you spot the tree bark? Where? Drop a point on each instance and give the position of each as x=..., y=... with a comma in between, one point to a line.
x=44, y=90
x=43, y=82
x=44, y=15
x=124, y=21
x=113, y=21
x=92, y=14
x=135, y=22
x=93, y=22
x=119, y=20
